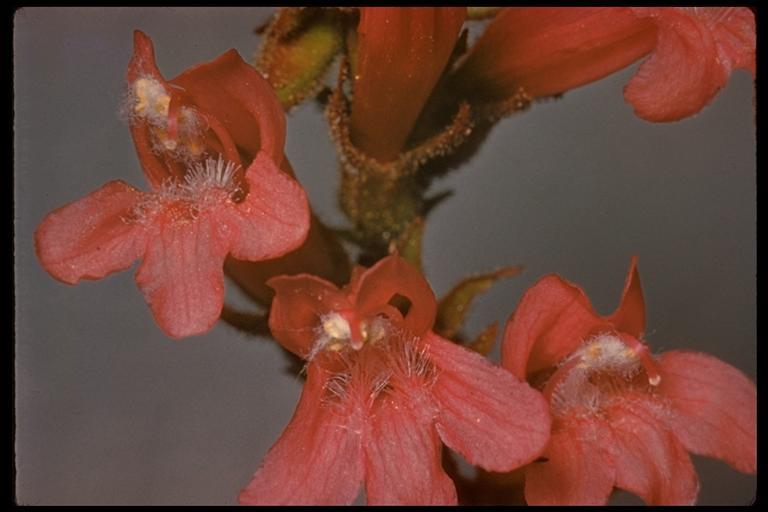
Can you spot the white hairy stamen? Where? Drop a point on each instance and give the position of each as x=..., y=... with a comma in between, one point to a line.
x=608, y=352
x=212, y=174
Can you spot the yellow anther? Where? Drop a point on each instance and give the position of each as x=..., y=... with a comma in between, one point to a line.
x=336, y=327
x=194, y=148
x=151, y=98
x=335, y=346
x=378, y=332
x=162, y=137
x=594, y=351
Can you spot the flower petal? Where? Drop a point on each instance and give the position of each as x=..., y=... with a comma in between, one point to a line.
x=181, y=276
x=92, y=237
x=321, y=254
x=648, y=459
x=274, y=217
x=549, y=50
x=485, y=413
x=238, y=96
x=316, y=461
x=714, y=407
x=552, y=319
x=403, y=458
x=629, y=317
x=400, y=56
x=299, y=303
x=682, y=75
x=734, y=31
x=576, y=472
x=142, y=61
x=394, y=276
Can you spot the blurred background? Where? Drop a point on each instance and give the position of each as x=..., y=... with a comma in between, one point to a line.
x=110, y=411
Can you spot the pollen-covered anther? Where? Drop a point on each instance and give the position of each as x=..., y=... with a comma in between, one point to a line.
x=151, y=99
x=338, y=331
x=594, y=372
x=333, y=334
x=175, y=130
x=618, y=354
x=608, y=352
x=375, y=330
x=336, y=326
x=161, y=137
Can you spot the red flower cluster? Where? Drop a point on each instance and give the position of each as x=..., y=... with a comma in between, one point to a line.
x=382, y=391
x=193, y=135
x=622, y=417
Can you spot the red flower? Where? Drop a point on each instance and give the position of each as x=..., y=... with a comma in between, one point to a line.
x=400, y=56
x=382, y=391
x=547, y=51
x=200, y=208
x=622, y=417
x=696, y=51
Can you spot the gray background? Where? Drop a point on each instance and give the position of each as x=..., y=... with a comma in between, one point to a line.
x=109, y=410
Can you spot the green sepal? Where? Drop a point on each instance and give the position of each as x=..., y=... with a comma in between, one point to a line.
x=300, y=45
x=483, y=342
x=408, y=244
x=454, y=306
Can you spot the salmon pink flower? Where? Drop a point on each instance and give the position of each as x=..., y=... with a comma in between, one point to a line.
x=546, y=51
x=223, y=107
x=621, y=416
x=382, y=391
x=193, y=135
x=400, y=56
